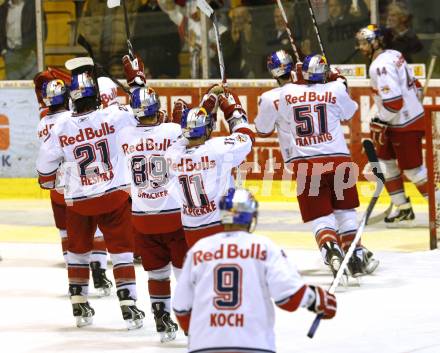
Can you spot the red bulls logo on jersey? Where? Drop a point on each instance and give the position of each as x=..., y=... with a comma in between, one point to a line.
x=87, y=134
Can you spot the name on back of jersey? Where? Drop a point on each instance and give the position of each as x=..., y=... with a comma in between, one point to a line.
x=309, y=97
x=87, y=133
x=148, y=144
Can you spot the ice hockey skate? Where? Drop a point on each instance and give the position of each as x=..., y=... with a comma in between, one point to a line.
x=82, y=311
x=100, y=281
x=356, y=264
x=165, y=326
x=369, y=262
x=402, y=217
x=333, y=256
x=131, y=314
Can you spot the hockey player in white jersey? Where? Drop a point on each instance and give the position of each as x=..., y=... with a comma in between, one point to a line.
x=280, y=65
x=398, y=128
x=203, y=165
x=52, y=93
x=326, y=186
x=158, y=233
x=224, y=296
x=94, y=183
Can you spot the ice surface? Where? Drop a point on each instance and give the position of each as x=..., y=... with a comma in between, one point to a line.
x=395, y=311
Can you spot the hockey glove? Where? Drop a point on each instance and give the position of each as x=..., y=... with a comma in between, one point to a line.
x=378, y=131
x=324, y=303
x=179, y=106
x=134, y=71
x=210, y=98
x=335, y=75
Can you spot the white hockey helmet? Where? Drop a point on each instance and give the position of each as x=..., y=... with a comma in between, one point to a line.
x=239, y=207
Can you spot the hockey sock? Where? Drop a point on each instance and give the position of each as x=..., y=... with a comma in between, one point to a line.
x=123, y=271
x=160, y=291
x=347, y=226
x=394, y=187
x=78, y=271
x=99, y=252
x=64, y=243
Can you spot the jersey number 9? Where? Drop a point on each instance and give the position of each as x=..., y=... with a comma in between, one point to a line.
x=227, y=286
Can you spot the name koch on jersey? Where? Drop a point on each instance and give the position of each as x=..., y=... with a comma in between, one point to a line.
x=144, y=148
x=203, y=174
x=268, y=119
x=87, y=145
x=395, y=89
x=227, y=283
x=314, y=113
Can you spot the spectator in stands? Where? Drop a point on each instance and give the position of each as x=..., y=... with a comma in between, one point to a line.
x=156, y=39
x=18, y=40
x=277, y=34
x=338, y=32
x=400, y=36
x=243, y=46
x=104, y=28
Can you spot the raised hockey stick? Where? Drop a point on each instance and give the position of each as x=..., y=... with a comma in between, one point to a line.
x=289, y=33
x=380, y=180
x=316, y=28
x=210, y=13
x=86, y=45
x=428, y=77
x=115, y=3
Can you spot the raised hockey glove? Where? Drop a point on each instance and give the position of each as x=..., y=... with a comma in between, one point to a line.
x=378, y=131
x=335, y=75
x=324, y=303
x=210, y=98
x=179, y=106
x=134, y=71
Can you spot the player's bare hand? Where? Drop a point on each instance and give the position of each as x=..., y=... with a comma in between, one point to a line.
x=324, y=303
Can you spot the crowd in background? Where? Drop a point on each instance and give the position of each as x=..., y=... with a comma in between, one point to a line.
x=167, y=33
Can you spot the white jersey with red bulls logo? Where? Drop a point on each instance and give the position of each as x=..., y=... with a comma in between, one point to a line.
x=48, y=121
x=203, y=174
x=144, y=147
x=314, y=113
x=87, y=145
x=268, y=119
x=393, y=82
x=228, y=283
x=43, y=132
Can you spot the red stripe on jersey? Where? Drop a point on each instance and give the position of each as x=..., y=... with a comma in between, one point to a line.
x=294, y=301
x=183, y=321
x=159, y=288
x=394, y=105
x=264, y=134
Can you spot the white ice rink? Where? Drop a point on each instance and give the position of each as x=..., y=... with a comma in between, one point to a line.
x=395, y=311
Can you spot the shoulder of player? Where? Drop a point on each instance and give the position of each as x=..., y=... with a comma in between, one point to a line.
x=172, y=128
x=270, y=95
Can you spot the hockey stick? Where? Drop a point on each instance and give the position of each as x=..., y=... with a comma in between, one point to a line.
x=289, y=33
x=316, y=28
x=428, y=77
x=380, y=180
x=115, y=3
x=210, y=13
x=86, y=45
